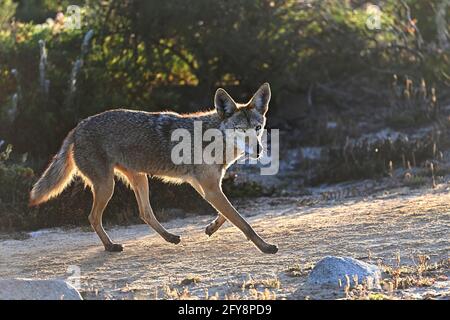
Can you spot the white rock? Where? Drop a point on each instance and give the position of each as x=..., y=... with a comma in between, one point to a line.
x=330, y=270
x=31, y=289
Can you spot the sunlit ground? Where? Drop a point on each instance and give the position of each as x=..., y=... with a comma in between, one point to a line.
x=391, y=227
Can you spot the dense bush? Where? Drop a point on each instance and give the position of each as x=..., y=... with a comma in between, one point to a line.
x=156, y=55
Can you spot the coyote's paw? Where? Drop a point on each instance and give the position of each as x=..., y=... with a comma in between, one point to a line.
x=271, y=249
x=114, y=247
x=173, y=239
x=211, y=228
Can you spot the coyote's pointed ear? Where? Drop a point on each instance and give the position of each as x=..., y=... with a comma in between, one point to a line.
x=261, y=98
x=224, y=104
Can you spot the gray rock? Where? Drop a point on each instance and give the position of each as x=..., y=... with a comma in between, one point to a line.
x=330, y=270
x=31, y=289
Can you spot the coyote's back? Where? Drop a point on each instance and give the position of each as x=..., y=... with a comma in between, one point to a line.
x=117, y=139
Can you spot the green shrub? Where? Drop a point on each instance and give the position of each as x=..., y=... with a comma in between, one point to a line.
x=194, y=47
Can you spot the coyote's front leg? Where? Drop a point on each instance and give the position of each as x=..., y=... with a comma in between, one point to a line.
x=214, y=195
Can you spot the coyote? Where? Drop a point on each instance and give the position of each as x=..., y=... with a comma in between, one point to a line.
x=137, y=144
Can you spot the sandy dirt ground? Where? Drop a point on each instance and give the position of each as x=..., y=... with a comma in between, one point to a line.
x=226, y=265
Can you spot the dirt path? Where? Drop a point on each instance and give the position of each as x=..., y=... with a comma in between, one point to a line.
x=409, y=222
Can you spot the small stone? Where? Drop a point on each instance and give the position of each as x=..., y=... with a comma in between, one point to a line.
x=31, y=289
x=332, y=271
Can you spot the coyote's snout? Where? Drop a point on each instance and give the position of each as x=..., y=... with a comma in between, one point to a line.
x=135, y=144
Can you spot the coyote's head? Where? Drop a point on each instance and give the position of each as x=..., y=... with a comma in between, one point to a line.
x=244, y=121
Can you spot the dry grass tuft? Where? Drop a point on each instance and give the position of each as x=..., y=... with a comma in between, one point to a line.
x=400, y=277
x=190, y=279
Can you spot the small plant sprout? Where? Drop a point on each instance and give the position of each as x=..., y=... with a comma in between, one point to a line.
x=355, y=280
x=369, y=282
x=391, y=169
x=423, y=263
x=347, y=286
x=44, y=83
x=397, y=259
x=432, y=175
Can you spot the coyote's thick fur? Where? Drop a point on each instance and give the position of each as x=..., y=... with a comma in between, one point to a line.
x=136, y=144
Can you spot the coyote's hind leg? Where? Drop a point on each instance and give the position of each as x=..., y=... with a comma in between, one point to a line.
x=102, y=193
x=139, y=183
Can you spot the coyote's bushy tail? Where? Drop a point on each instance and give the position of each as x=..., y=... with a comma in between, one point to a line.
x=57, y=176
